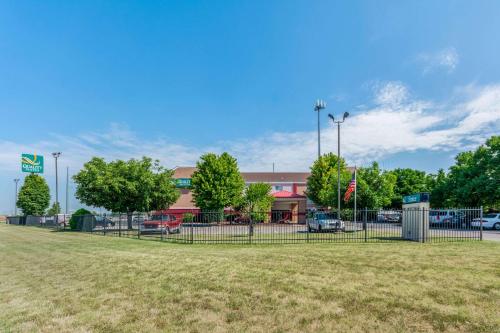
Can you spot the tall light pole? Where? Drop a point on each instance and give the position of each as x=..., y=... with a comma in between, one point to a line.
x=338, y=122
x=67, y=187
x=16, y=180
x=56, y=156
x=320, y=105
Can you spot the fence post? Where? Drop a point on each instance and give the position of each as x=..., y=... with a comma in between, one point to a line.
x=191, y=229
x=481, y=223
x=365, y=212
x=104, y=222
x=162, y=231
x=119, y=226
x=307, y=229
x=138, y=227
x=250, y=229
x=423, y=225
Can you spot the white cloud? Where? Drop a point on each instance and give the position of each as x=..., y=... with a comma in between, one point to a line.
x=390, y=93
x=447, y=59
x=395, y=123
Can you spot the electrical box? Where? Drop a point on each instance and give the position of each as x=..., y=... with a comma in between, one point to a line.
x=415, y=221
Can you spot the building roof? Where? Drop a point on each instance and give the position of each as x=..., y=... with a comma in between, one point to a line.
x=183, y=172
x=276, y=177
x=253, y=177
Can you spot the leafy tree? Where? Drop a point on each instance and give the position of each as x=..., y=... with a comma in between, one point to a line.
x=54, y=209
x=322, y=183
x=375, y=188
x=217, y=182
x=474, y=180
x=439, y=190
x=73, y=221
x=408, y=181
x=34, y=195
x=258, y=200
x=126, y=186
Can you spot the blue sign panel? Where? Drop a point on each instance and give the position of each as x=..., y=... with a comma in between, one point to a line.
x=417, y=197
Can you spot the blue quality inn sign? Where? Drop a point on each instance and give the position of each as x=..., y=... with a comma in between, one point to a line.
x=32, y=163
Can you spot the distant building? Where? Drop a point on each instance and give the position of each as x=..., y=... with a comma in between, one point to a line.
x=288, y=188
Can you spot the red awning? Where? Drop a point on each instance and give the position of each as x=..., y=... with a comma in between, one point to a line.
x=287, y=195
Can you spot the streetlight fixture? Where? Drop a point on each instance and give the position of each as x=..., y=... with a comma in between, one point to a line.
x=16, y=180
x=56, y=156
x=338, y=122
x=320, y=105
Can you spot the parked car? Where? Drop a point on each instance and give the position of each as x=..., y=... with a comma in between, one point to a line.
x=322, y=221
x=101, y=221
x=389, y=216
x=139, y=218
x=490, y=221
x=161, y=223
x=241, y=220
x=446, y=218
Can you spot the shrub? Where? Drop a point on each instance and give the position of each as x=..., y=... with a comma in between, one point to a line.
x=73, y=222
x=188, y=217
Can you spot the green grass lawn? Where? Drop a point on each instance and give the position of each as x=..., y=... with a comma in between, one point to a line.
x=63, y=281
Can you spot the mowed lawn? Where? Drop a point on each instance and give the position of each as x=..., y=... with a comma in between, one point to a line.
x=63, y=281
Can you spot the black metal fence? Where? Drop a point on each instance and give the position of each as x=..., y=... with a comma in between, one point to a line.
x=54, y=222
x=366, y=225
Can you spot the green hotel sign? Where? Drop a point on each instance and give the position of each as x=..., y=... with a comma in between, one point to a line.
x=415, y=198
x=32, y=163
x=183, y=182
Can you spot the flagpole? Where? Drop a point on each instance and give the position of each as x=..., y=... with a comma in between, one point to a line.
x=355, y=192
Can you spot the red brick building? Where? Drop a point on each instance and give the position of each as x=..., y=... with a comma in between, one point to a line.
x=288, y=188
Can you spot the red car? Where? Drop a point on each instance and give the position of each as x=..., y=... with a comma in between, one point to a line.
x=162, y=223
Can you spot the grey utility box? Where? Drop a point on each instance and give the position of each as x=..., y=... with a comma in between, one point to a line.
x=415, y=221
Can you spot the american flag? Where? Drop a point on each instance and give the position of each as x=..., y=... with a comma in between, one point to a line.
x=351, y=188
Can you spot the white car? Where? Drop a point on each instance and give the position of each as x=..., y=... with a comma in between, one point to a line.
x=445, y=217
x=325, y=222
x=490, y=221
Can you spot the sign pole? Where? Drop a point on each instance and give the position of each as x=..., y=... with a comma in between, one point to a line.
x=355, y=192
x=15, y=199
x=67, y=185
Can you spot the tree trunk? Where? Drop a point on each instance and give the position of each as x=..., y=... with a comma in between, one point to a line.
x=129, y=221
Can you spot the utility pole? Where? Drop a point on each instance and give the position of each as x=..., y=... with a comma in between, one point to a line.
x=338, y=122
x=56, y=156
x=16, y=180
x=67, y=188
x=320, y=105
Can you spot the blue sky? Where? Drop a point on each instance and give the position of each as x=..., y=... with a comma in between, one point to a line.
x=175, y=79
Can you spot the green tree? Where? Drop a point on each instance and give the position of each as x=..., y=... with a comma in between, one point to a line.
x=375, y=187
x=34, y=195
x=54, y=209
x=126, y=186
x=258, y=200
x=217, y=182
x=474, y=180
x=322, y=183
x=408, y=181
x=439, y=190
